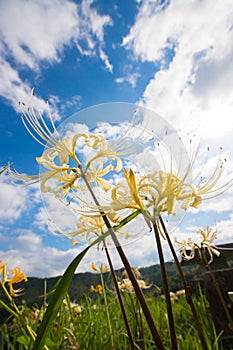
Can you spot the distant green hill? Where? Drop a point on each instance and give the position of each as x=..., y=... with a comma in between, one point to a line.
x=80, y=285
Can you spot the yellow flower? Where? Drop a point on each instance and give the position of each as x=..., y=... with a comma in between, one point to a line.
x=127, y=195
x=99, y=143
x=3, y=271
x=93, y=266
x=161, y=190
x=131, y=180
x=101, y=269
x=180, y=292
x=208, y=238
x=96, y=173
x=186, y=248
x=97, y=289
x=92, y=288
x=18, y=276
x=136, y=272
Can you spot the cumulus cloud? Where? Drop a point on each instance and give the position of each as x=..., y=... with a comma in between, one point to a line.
x=13, y=200
x=191, y=42
x=36, y=259
x=40, y=30
x=40, y=33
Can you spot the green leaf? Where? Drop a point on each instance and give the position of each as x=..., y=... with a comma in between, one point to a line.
x=23, y=339
x=59, y=295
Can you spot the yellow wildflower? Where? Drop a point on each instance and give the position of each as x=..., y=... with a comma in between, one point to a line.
x=101, y=269
x=180, y=292
x=93, y=266
x=89, y=227
x=18, y=276
x=92, y=288
x=3, y=271
x=97, y=289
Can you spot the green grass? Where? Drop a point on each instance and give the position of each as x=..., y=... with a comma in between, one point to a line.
x=85, y=326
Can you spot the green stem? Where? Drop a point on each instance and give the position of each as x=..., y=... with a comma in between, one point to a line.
x=16, y=313
x=107, y=311
x=166, y=289
x=188, y=290
x=8, y=309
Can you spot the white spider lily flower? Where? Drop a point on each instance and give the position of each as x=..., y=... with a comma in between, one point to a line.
x=126, y=195
x=187, y=248
x=96, y=172
x=163, y=191
x=90, y=228
x=126, y=285
x=36, y=125
x=104, y=150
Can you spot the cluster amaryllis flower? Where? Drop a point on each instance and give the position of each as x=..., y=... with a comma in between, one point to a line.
x=163, y=191
x=189, y=247
x=77, y=168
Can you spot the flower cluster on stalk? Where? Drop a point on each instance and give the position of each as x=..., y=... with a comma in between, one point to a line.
x=189, y=247
x=77, y=182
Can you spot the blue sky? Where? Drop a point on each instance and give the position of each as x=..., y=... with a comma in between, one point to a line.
x=173, y=57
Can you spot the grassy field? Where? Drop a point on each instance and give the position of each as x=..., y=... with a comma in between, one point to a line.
x=97, y=323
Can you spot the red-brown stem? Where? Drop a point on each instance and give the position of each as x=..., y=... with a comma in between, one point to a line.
x=120, y=299
x=143, y=303
x=166, y=289
x=187, y=288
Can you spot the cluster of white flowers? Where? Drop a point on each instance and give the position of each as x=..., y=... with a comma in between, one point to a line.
x=75, y=180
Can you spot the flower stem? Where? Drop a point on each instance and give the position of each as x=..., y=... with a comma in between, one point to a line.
x=154, y=332
x=107, y=311
x=188, y=290
x=120, y=299
x=166, y=289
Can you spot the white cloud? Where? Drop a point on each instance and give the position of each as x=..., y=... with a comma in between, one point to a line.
x=225, y=230
x=41, y=29
x=105, y=59
x=38, y=31
x=130, y=79
x=192, y=41
x=35, y=259
x=13, y=200
x=12, y=88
